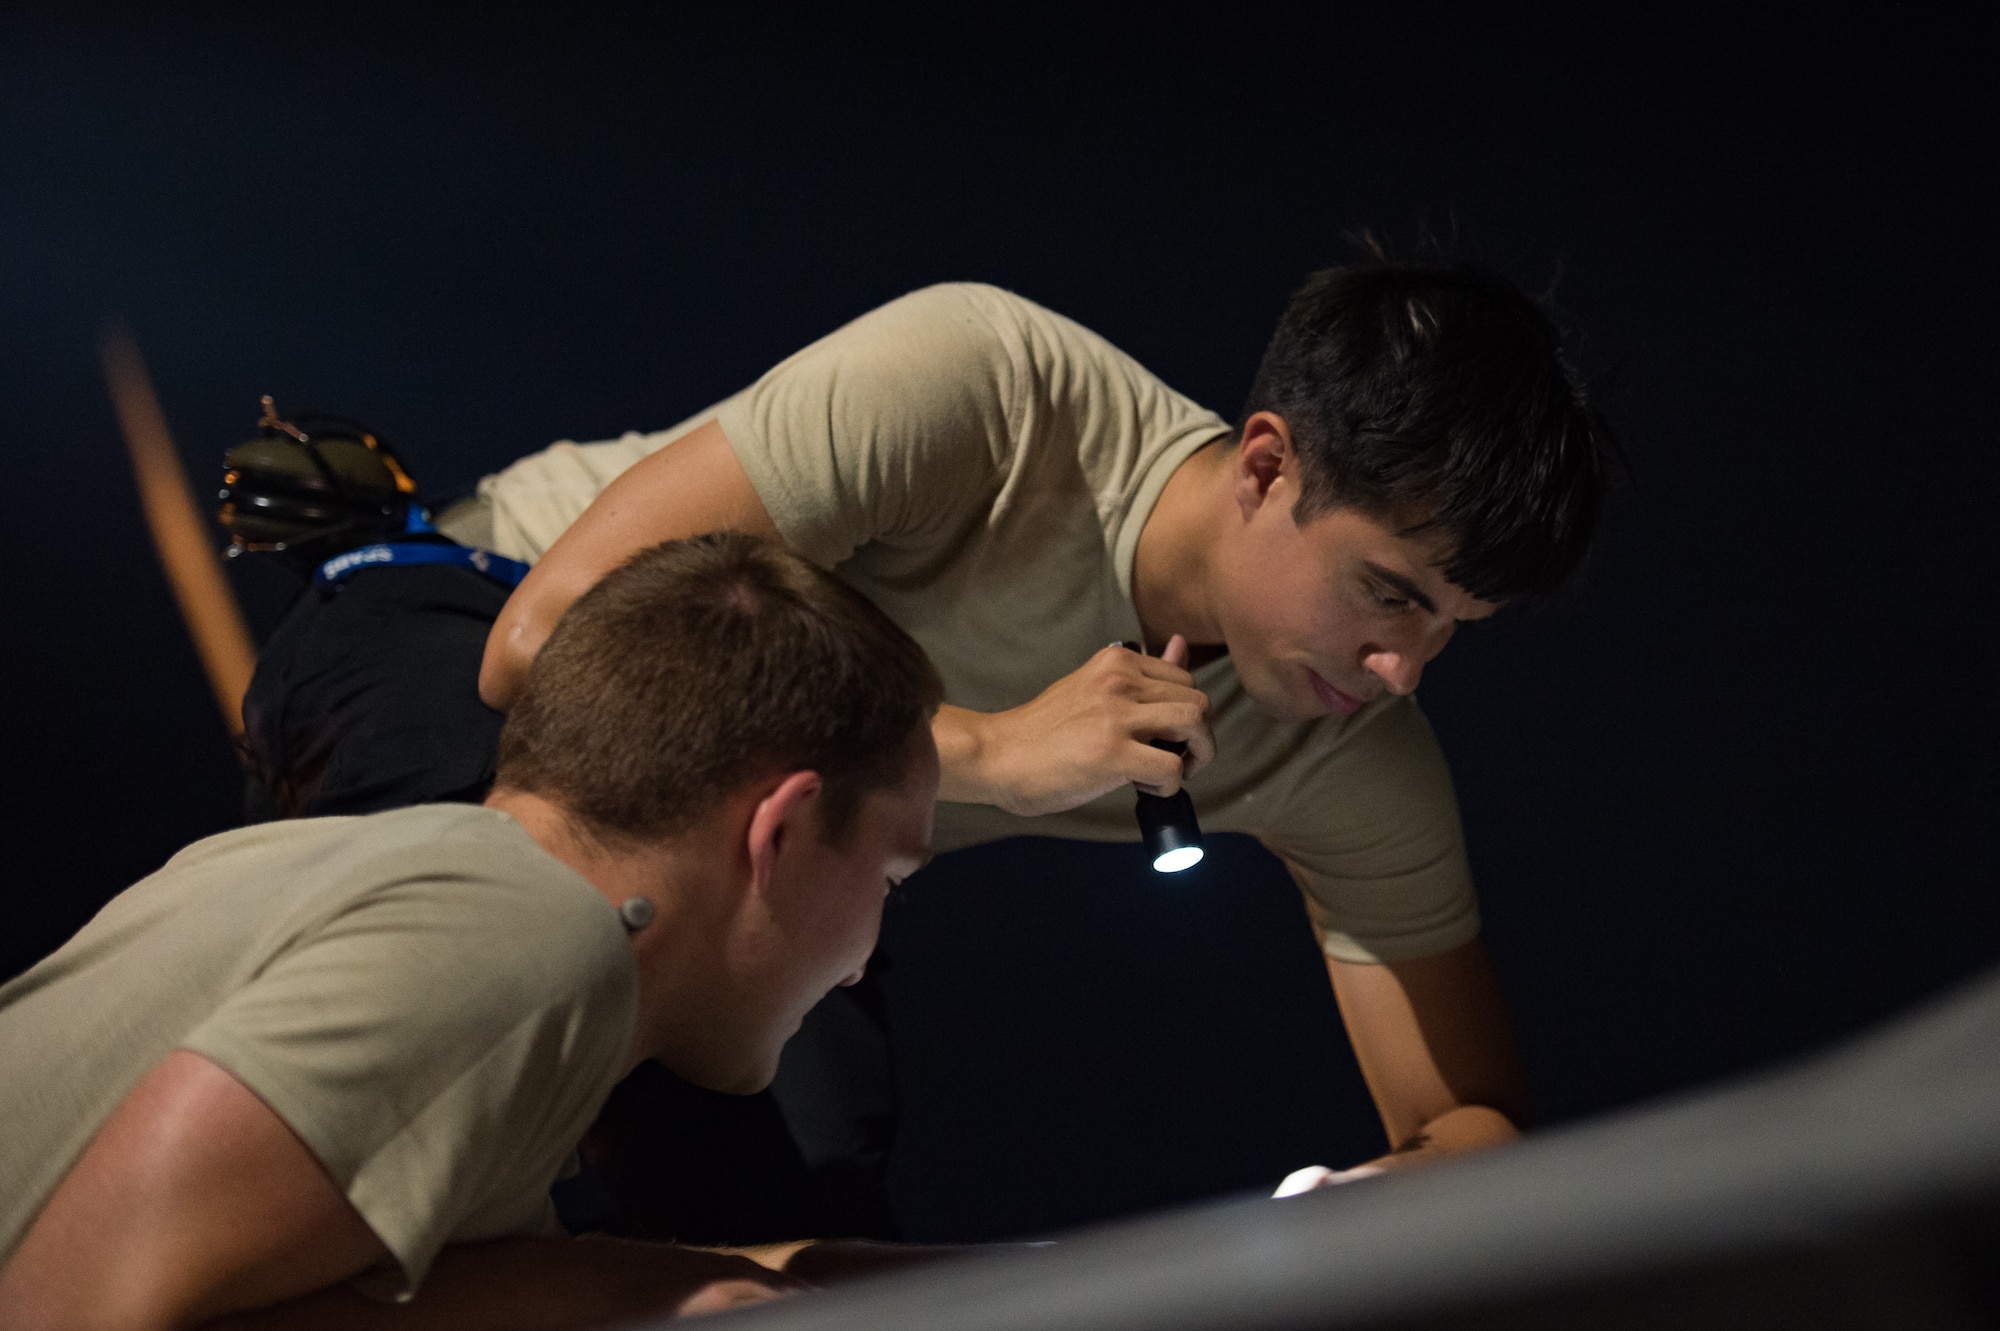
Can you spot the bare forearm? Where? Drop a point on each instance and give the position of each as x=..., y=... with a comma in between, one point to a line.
x=830, y=1261
x=1457, y=1131
x=533, y=1285
x=960, y=755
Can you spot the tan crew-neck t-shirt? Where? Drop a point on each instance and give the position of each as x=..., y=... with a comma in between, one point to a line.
x=435, y=1005
x=981, y=469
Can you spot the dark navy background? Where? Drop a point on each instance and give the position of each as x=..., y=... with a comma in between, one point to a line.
x=1726, y=804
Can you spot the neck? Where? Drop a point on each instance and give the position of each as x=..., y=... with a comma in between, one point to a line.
x=689, y=915
x=1177, y=546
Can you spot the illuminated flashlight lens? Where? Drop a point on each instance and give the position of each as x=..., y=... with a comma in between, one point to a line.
x=1186, y=857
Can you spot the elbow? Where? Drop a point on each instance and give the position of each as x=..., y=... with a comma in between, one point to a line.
x=501, y=669
x=494, y=688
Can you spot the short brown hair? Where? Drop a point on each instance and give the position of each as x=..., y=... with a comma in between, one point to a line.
x=704, y=663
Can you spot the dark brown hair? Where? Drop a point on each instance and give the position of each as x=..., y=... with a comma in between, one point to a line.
x=1437, y=390
x=705, y=663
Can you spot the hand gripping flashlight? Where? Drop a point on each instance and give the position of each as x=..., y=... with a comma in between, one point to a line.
x=1167, y=822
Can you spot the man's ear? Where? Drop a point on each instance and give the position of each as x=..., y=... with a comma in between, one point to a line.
x=1261, y=458
x=780, y=817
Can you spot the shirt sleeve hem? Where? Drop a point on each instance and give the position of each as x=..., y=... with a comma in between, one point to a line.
x=787, y=506
x=241, y=1060
x=1402, y=947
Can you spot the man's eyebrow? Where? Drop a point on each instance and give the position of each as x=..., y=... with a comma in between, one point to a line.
x=1401, y=585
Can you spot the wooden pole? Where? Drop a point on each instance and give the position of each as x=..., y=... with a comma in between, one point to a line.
x=184, y=540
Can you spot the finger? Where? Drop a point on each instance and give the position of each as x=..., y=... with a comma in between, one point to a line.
x=1201, y=747
x=1140, y=697
x=1153, y=771
x=722, y=1295
x=1171, y=712
x=1182, y=717
x=1159, y=668
x=1176, y=653
x=1354, y=1175
x=1124, y=658
x=1303, y=1180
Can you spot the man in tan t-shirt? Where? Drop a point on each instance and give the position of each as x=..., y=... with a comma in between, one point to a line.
x=1017, y=493
x=336, y=1058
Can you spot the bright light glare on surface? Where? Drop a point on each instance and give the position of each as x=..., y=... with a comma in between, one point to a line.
x=1176, y=860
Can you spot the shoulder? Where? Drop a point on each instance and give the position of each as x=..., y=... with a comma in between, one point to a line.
x=459, y=903
x=480, y=867
x=448, y=938
x=967, y=322
x=1038, y=339
x=930, y=320
x=938, y=351
x=1068, y=372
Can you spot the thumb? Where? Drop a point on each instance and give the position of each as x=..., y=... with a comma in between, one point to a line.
x=1176, y=652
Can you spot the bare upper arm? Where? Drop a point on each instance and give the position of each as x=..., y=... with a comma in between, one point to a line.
x=1431, y=1034
x=192, y=1200
x=691, y=486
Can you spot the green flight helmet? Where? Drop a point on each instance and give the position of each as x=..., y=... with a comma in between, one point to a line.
x=312, y=487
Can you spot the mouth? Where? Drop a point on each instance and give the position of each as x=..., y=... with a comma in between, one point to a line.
x=1336, y=702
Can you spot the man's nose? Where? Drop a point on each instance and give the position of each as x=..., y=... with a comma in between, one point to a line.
x=1401, y=666
x=1400, y=671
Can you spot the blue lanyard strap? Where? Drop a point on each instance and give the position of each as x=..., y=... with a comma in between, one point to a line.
x=507, y=572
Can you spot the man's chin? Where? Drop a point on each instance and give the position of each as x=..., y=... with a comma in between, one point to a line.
x=1279, y=705
x=732, y=1079
x=749, y=1085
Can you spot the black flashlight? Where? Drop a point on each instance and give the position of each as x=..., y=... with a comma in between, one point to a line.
x=1166, y=822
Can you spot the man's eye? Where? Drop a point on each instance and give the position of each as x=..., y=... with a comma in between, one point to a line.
x=1388, y=600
